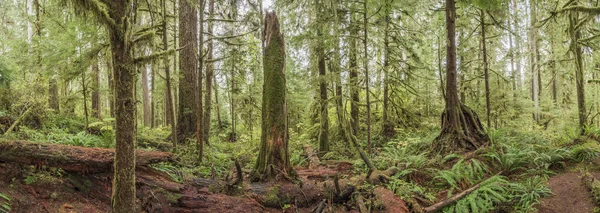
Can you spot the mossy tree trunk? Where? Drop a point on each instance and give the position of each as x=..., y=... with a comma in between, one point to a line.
x=273, y=158
x=387, y=125
x=169, y=108
x=188, y=41
x=123, y=195
x=96, y=89
x=198, y=90
x=461, y=128
x=209, y=74
x=575, y=48
x=146, y=109
x=354, y=89
x=323, y=111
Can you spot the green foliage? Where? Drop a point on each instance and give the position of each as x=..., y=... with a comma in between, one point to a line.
x=491, y=192
x=462, y=173
x=4, y=203
x=528, y=193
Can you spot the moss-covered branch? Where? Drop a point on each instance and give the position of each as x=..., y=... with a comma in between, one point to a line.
x=99, y=9
x=583, y=9
x=153, y=56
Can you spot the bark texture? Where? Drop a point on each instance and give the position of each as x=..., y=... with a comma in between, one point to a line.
x=461, y=128
x=273, y=158
x=123, y=196
x=188, y=41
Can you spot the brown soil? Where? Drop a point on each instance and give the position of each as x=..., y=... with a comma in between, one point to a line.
x=570, y=195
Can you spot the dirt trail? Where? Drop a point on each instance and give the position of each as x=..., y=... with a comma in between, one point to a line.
x=570, y=195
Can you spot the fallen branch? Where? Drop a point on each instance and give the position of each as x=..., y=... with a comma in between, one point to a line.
x=71, y=158
x=438, y=206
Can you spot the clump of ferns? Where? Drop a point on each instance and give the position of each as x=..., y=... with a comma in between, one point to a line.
x=413, y=167
x=527, y=193
x=510, y=161
x=585, y=152
x=463, y=174
x=492, y=191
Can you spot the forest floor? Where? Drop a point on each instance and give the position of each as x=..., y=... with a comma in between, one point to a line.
x=569, y=194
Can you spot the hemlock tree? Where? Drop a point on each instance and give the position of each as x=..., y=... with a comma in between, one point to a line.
x=273, y=158
x=461, y=128
x=188, y=62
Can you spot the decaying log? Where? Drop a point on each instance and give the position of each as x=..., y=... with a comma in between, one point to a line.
x=71, y=158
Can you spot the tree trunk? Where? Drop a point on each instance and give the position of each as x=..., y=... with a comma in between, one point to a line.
x=84, y=87
x=170, y=108
x=209, y=74
x=72, y=158
x=188, y=41
x=111, y=87
x=273, y=158
x=387, y=125
x=198, y=91
x=535, y=87
x=217, y=106
x=575, y=48
x=96, y=113
x=123, y=196
x=53, y=93
x=517, y=51
x=324, y=113
x=146, y=110
x=461, y=128
x=485, y=70
x=354, y=84
x=366, y=64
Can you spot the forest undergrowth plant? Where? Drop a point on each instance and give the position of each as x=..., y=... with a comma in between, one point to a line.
x=463, y=174
x=527, y=193
x=491, y=192
x=5, y=206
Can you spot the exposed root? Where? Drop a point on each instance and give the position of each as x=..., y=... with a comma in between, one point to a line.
x=469, y=137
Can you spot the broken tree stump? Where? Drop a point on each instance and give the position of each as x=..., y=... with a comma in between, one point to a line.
x=71, y=158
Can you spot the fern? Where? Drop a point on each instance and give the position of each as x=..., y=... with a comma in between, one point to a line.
x=491, y=192
x=4, y=203
x=528, y=193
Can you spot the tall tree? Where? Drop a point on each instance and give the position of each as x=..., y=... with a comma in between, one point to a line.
x=485, y=68
x=353, y=75
x=198, y=91
x=273, y=158
x=188, y=62
x=461, y=128
x=209, y=72
x=367, y=77
x=387, y=126
x=324, y=114
x=575, y=48
x=535, y=76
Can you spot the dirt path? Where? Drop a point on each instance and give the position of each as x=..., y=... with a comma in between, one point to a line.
x=570, y=195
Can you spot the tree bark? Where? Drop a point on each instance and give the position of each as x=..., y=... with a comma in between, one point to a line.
x=535, y=84
x=170, y=108
x=188, y=62
x=354, y=82
x=387, y=125
x=123, y=196
x=198, y=90
x=324, y=113
x=146, y=110
x=485, y=70
x=209, y=74
x=461, y=128
x=72, y=158
x=575, y=48
x=366, y=64
x=96, y=113
x=273, y=158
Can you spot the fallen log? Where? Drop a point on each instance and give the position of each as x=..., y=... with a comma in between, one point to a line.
x=71, y=158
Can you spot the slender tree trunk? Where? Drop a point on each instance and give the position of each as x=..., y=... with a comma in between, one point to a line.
x=517, y=51
x=439, y=53
x=85, y=106
x=535, y=89
x=354, y=83
x=146, y=95
x=387, y=126
x=273, y=158
x=336, y=69
x=209, y=74
x=188, y=63
x=198, y=91
x=485, y=69
x=152, y=99
x=170, y=108
x=96, y=89
x=575, y=48
x=366, y=64
x=217, y=106
x=324, y=114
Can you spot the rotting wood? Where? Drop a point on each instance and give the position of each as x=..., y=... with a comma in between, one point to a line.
x=72, y=158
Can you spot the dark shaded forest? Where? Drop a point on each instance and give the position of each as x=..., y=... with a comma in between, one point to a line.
x=299, y=106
